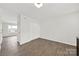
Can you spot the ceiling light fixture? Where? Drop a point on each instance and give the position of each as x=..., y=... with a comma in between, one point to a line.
x=38, y=5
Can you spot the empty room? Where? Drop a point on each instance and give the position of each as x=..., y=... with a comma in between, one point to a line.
x=39, y=29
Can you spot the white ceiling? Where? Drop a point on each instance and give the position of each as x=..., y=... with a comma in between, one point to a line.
x=9, y=11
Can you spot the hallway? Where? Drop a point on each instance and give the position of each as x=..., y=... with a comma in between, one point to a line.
x=9, y=46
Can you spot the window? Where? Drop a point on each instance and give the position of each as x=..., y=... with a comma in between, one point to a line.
x=12, y=28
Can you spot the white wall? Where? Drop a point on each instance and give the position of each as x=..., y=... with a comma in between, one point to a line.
x=63, y=29
x=29, y=29
x=5, y=29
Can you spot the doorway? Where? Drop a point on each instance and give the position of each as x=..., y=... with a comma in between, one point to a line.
x=9, y=44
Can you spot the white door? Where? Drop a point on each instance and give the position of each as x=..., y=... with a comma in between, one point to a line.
x=35, y=30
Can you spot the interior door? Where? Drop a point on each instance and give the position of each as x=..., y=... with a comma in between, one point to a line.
x=35, y=30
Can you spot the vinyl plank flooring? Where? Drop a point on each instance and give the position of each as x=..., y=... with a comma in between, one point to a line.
x=37, y=47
